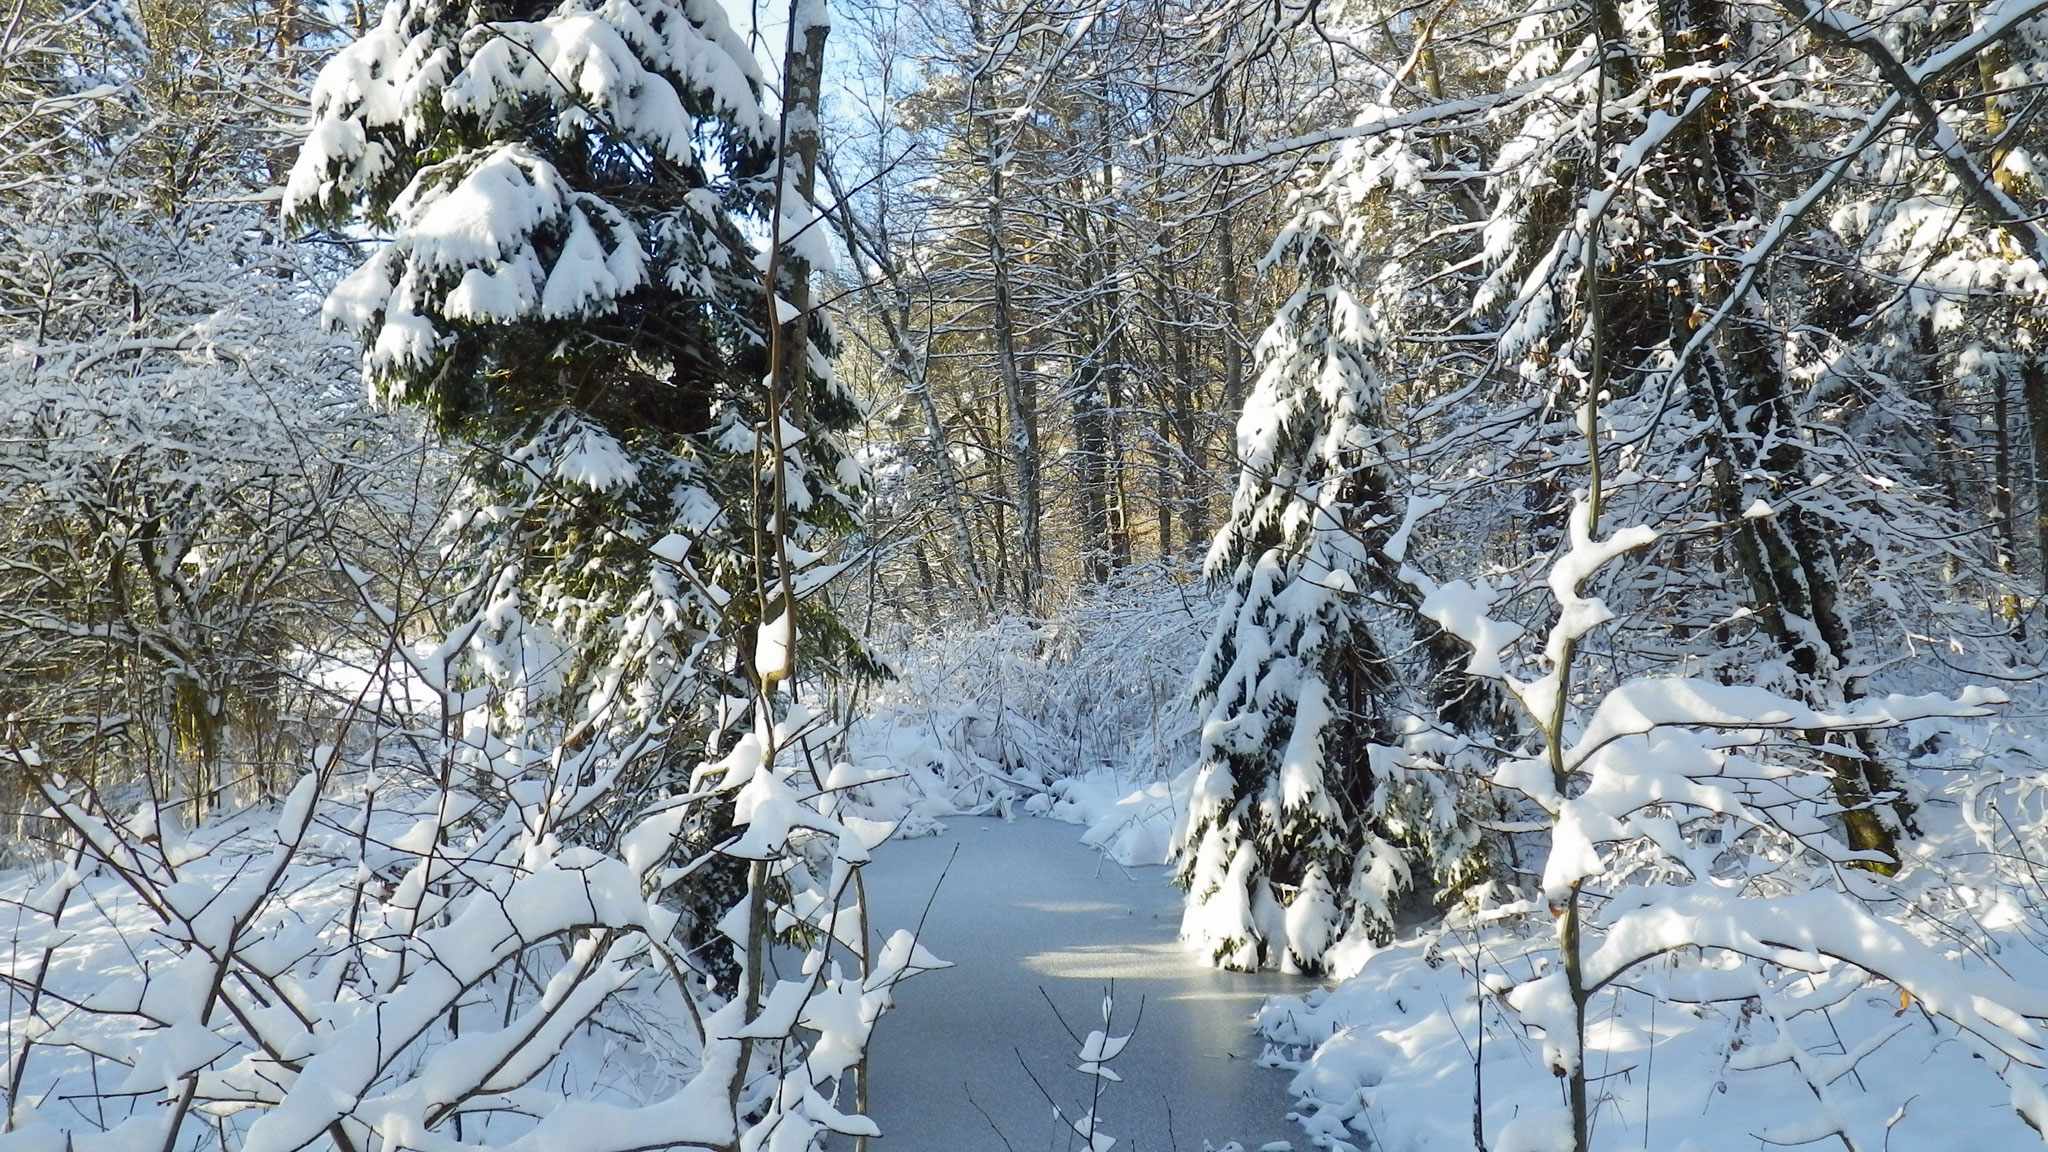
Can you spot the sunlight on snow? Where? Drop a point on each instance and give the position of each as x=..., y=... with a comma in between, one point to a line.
x=1111, y=961
x=1060, y=906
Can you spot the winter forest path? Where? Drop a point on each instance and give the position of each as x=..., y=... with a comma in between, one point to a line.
x=1025, y=906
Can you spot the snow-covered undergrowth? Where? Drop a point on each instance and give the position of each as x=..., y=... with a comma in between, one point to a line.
x=1084, y=716
x=1703, y=1049
x=381, y=963
x=436, y=942
x=1692, y=941
x=1131, y=822
x=471, y=925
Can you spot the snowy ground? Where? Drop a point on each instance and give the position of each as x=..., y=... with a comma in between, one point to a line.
x=1400, y=1056
x=1034, y=921
x=1393, y=1058
x=1028, y=915
x=1418, y=1047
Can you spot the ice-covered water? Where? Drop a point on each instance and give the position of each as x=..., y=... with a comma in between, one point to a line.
x=1024, y=907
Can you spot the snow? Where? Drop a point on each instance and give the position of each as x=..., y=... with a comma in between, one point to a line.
x=592, y=458
x=584, y=274
x=329, y=961
x=1660, y=776
x=1391, y=1053
x=1690, y=827
x=773, y=644
x=487, y=213
x=1580, y=614
x=581, y=59
x=1461, y=608
x=1130, y=827
x=1689, y=1038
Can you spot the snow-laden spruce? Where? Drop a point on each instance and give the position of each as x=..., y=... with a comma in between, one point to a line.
x=563, y=200
x=567, y=192
x=583, y=162
x=1306, y=821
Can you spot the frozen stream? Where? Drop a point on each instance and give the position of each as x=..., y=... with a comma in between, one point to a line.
x=1025, y=906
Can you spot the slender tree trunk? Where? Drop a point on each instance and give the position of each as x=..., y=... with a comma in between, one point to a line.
x=803, y=76
x=1739, y=394
x=1222, y=128
x=2034, y=397
x=1991, y=62
x=1003, y=573
x=1116, y=341
x=1164, y=486
x=1933, y=390
x=2001, y=502
x=1183, y=452
x=1103, y=273
x=1020, y=402
x=1091, y=447
x=1189, y=434
x=925, y=582
x=1116, y=540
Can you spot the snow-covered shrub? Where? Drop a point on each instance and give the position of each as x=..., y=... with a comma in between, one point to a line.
x=594, y=895
x=1690, y=818
x=463, y=932
x=176, y=435
x=1692, y=857
x=1005, y=712
x=1789, y=1004
x=176, y=440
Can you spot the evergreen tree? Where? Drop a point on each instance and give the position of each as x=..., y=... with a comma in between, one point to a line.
x=568, y=191
x=1608, y=240
x=560, y=187
x=1307, y=820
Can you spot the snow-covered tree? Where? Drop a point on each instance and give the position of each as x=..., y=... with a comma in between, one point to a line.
x=1695, y=845
x=400, y=952
x=569, y=280
x=177, y=435
x=1602, y=203
x=573, y=780
x=560, y=189
x=1652, y=257
x=1306, y=821
x=165, y=484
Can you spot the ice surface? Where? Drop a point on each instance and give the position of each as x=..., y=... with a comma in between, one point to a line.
x=1023, y=907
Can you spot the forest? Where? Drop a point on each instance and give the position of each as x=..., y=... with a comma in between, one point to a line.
x=514, y=513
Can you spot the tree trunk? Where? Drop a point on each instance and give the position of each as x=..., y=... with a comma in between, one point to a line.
x=1739, y=394
x=2034, y=397
x=1233, y=305
x=1091, y=447
x=1020, y=401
